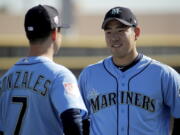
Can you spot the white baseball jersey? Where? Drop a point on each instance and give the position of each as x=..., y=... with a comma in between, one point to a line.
x=33, y=94
x=138, y=101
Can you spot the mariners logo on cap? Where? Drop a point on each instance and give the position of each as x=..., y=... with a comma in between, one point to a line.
x=115, y=11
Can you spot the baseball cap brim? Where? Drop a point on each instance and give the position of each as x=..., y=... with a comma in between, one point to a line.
x=120, y=20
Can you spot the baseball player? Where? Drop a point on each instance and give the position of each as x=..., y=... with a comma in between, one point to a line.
x=129, y=93
x=38, y=96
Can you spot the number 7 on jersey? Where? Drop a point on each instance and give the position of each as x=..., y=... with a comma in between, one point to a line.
x=23, y=101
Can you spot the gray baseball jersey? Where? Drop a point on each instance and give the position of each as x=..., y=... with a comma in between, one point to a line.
x=138, y=101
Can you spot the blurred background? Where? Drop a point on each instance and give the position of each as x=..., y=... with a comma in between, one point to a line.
x=83, y=42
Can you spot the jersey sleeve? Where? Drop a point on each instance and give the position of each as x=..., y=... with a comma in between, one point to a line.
x=82, y=82
x=1, y=128
x=1, y=115
x=65, y=93
x=171, y=85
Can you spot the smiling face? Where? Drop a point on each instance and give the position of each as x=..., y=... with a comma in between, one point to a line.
x=121, y=39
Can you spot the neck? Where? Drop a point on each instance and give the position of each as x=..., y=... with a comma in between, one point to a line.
x=123, y=61
x=41, y=50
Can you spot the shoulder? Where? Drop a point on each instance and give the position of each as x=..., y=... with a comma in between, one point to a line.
x=62, y=71
x=162, y=67
x=94, y=70
x=94, y=67
x=99, y=64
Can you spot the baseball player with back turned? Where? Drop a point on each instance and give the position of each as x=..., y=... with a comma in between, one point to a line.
x=129, y=93
x=38, y=96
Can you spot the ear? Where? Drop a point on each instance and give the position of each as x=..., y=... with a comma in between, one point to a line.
x=53, y=35
x=137, y=31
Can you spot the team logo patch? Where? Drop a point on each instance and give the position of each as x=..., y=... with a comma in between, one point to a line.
x=71, y=88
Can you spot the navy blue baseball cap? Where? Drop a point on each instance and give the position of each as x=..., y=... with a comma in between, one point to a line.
x=42, y=19
x=121, y=14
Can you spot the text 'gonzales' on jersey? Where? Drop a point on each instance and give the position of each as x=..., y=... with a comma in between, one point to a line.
x=27, y=80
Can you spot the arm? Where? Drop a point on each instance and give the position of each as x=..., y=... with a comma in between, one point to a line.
x=67, y=100
x=72, y=122
x=176, y=129
x=86, y=125
x=86, y=122
x=171, y=87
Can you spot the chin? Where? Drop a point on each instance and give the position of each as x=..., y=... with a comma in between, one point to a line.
x=119, y=55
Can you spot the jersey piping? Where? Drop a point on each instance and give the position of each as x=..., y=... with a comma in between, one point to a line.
x=117, y=88
x=129, y=90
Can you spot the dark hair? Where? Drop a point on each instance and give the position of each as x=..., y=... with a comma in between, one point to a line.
x=38, y=37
